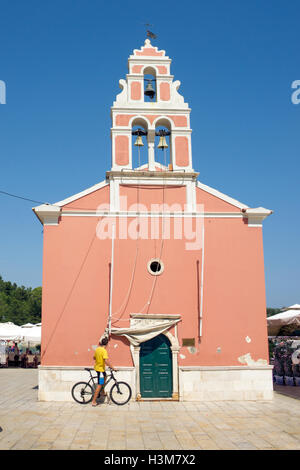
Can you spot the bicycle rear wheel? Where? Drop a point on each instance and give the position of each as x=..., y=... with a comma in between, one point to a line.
x=82, y=392
x=120, y=393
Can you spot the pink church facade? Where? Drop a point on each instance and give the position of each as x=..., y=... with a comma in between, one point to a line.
x=170, y=268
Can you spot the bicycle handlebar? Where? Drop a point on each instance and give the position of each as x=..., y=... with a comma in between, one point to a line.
x=89, y=369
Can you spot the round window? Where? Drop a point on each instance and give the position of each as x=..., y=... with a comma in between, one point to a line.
x=155, y=267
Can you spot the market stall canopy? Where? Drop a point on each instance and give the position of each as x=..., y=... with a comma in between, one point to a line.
x=10, y=332
x=31, y=334
x=290, y=318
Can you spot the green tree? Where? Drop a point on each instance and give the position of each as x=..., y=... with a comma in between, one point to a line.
x=19, y=304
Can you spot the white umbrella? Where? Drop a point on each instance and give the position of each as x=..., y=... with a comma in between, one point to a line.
x=27, y=325
x=289, y=317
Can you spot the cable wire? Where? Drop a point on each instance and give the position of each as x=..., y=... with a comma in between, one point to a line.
x=24, y=198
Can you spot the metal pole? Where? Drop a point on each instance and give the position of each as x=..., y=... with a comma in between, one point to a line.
x=202, y=275
x=111, y=278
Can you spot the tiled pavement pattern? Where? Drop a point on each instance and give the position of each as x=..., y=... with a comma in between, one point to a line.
x=29, y=424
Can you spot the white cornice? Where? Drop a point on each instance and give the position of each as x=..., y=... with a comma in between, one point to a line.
x=150, y=111
x=148, y=177
x=48, y=214
x=256, y=215
x=156, y=108
x=149, y=214
x=149, y=59
x=139, y=76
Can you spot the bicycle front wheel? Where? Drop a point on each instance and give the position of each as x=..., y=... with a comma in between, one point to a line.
x=120, y=393
x=82, y=392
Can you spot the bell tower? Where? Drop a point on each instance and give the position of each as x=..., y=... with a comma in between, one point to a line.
x=150, y=103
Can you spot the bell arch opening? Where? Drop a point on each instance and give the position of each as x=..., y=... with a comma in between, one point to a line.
x=163, y=142
x=150, y=91
x=139, y=147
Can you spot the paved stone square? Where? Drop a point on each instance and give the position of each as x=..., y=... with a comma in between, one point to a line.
x=29, y=424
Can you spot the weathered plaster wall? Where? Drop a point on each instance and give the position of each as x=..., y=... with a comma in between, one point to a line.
x=76, y=288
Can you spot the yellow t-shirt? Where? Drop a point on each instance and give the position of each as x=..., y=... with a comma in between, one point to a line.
x=100, y=356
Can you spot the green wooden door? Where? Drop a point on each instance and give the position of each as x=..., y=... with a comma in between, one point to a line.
x=156, y=368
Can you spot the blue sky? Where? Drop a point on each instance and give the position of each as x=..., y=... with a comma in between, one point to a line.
x=61, y=61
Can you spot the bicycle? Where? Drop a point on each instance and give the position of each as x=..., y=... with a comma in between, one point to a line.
x=83, y=392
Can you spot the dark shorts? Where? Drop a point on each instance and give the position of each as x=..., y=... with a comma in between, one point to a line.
x=101, y=376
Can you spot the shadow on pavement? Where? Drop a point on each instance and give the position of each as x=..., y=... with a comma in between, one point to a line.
x=288, y=390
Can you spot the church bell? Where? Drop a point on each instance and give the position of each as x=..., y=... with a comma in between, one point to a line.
x=149, y=90
x=162, y=144
x=139, y=141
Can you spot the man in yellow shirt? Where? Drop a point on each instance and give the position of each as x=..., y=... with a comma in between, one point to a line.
x=101, y=359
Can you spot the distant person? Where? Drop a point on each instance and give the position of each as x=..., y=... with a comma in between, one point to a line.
x=17, y=355
x=101, y=359
x=279, y=355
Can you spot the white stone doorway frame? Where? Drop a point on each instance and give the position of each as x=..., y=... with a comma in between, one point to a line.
x=138, y=319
